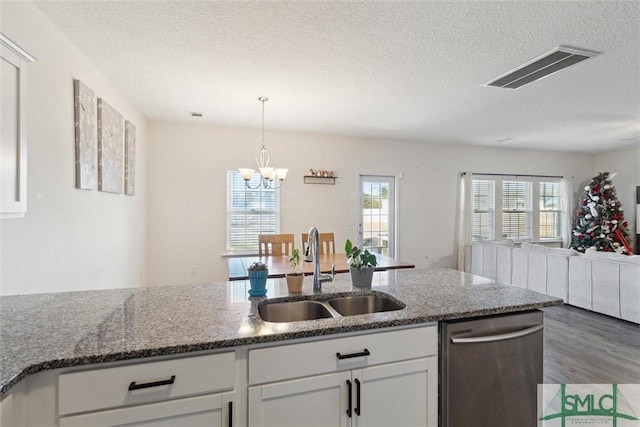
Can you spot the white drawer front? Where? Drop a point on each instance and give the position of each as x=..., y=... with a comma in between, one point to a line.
x=109, y=387
x=318, y=357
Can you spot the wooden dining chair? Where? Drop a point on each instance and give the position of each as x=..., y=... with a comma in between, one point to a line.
x=275, y=244
x=327, y=243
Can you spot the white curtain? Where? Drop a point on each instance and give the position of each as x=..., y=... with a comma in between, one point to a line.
x=566, y=207
x=464, y=216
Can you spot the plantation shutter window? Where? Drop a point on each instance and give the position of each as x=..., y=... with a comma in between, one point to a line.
x=517, y=208
x=250, y=212
x=483, y=209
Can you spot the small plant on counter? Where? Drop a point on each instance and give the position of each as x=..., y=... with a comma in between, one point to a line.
x=295, y=278
x=358, y=258
x=294, y=261
x=361, y=265
x=257, y=266
x=258, y=273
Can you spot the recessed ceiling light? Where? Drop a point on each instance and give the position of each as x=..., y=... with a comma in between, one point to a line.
x=541, y=67
x=195, y=114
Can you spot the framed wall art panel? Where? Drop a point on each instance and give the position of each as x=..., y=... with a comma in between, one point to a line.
x=129, y=158
x=84, y=103
x=110, y=148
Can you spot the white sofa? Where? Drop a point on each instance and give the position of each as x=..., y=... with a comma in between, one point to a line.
x=603, y=282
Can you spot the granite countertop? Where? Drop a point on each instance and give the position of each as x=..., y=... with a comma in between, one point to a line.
x=48, y=331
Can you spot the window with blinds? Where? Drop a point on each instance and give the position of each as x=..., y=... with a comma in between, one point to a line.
x=250, y=212
x=550, y=212
x=483, y=209
x=518, y=208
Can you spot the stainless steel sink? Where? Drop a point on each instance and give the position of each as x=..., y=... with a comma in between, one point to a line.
x=330, y=306
x=293, y=311
x=364, y=304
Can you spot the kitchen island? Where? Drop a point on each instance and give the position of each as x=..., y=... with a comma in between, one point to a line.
x=68, y=330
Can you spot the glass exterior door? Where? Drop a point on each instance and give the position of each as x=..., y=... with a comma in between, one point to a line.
x=377, y=214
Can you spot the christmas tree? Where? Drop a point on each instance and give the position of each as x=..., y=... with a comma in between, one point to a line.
x=599, y=220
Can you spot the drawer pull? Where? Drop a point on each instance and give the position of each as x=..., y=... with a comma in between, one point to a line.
x=230, y=414
x=362, y=353
x=134, y=386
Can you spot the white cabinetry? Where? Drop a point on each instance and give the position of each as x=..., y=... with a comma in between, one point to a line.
x=190, y=391
x=378, y=379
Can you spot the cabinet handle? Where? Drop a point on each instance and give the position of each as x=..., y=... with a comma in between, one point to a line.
x=230, y=414
x=364, y=352
x=134, y=386
x=349, y=399
x=357, y=410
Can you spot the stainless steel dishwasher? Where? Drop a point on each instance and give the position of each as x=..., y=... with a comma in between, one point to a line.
x=490, y=368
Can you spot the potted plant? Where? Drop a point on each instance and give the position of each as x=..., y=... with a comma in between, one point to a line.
x=361, y=265
x=258, y=273
x=295, y=278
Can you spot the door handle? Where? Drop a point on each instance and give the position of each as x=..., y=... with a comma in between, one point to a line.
x=349, y=399
x=357, y=409
x=498, y=337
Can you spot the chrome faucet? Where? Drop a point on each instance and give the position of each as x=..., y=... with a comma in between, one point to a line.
x=312, y=254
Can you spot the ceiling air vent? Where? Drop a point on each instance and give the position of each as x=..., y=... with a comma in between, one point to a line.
x=540, y=67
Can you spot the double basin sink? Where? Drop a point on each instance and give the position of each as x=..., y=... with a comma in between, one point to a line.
x=336, y=306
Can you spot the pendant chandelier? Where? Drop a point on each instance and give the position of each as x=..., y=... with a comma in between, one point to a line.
x=270, y=177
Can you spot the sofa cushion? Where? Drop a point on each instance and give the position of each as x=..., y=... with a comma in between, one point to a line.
x=580, y=281
x=605, y=285
x=534, y=247
x=630, y=292
x=563, y=251
x=612, y=256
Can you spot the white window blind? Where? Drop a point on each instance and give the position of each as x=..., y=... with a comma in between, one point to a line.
x=516, y=209
x=505, y=207
x=250, y=212
x=483, y=209
x=550, y=212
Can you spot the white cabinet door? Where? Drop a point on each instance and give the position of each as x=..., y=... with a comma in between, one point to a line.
x=397, y=394
x=210, y=410
x=317, y=401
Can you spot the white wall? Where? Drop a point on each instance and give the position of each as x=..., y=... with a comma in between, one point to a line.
x=70, y=239
x=187, y=201
x=627, y=166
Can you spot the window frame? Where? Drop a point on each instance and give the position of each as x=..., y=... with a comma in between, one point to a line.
x=536, y=211
x=246, y=210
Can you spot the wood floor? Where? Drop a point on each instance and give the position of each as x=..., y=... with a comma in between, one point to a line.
x=582, y=347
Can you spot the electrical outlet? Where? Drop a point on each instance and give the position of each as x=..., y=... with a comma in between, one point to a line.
x=193, y=269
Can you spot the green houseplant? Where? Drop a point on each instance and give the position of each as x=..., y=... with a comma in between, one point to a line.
x=295, y=278
x=258, y=273
x=361, y=265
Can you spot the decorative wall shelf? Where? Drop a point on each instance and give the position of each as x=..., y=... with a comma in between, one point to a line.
x=312, y=179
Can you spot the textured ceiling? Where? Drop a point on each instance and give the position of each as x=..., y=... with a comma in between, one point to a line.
x=400, y=70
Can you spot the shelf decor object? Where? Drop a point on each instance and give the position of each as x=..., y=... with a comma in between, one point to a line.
x=270, y=177
x=84, y=103
x=110, y=148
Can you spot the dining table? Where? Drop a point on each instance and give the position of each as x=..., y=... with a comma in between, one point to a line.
x=279, y=266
